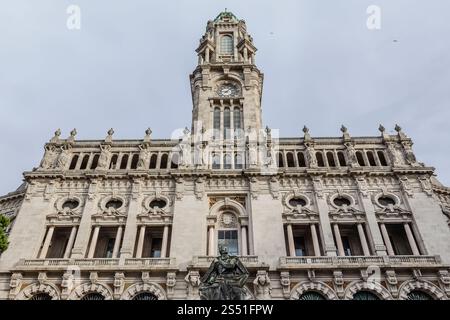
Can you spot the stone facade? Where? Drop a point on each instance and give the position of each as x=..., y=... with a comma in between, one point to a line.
x=312, y=218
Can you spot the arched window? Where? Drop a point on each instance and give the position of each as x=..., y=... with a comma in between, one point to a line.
x=164, y=160
x=311, y=295
x=237, y=122
x=93, y=296
x=113, y=163
x=238, y=163
x=341, y=158
x=227, y=162
x=124, y=162
x=371, y=159
x=382, y=158
x=365, y=295
x=216, y=123
x=319, y=158
x=74, y=162
x=360, y=158
x=153, y=161
x=41, y=296
x=419, y=295
x=84, y=163
x=330, y=158
x=226, y=123
x=215, y=161
x=301, y=159
x=175, y=160
x=134, y=161
x=290, y=160
x=280, y=160
x=94, y=164
x=145, y=296
x=226, y=45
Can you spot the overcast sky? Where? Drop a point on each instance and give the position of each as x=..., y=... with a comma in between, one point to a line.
x=128, y=68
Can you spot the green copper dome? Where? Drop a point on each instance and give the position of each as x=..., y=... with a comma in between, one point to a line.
x=225, y=15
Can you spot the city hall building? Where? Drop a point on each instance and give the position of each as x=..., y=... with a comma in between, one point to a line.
x=310, y=217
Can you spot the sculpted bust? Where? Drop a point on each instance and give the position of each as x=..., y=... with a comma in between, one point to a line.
x=224, y=279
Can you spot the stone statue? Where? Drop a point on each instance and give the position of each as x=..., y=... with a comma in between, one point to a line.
x=193, y=283
x=395, y=153
x=351, y=154
x=48, y=162
x=103, y=161
x=225, y=278
x=261, y=286
x=144, y=157
x=63, y=159
x=409, y=154
x=311, y=156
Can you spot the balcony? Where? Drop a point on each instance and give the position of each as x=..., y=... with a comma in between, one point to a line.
x=359, y=261
x=96, y=264
x=205, y=261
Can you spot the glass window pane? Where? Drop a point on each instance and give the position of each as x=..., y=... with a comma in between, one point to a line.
x=226, y=45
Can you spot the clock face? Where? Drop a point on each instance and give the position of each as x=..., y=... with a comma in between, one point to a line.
x=227, y=90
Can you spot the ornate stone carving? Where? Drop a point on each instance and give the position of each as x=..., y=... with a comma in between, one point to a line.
x=426, y=185
x=409, y=154
x=171, y=281
x=338, y=281
x=200, y=188
x=67, y=284
x=193, y=283
x=351, y=155
x=49, y=159
x=56, y=137
x=395, y=154
x=254, y=187
x=285, y=282
x=63, y=158
x=311, y=155
x=179, y=188
x=362, y=186
x=444, y=281
x=392, y=282
x=406, y=186
x=261, y=286
x=119, y=284
x=274, y=186
x=144, y=158
x=105, y=156
x=15, y=285
x=318, y=186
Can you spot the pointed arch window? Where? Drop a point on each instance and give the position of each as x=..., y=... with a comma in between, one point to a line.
x=237, y=122
x=226, y=45
x=216, y=123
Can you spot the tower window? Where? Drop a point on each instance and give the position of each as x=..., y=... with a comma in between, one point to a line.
x=226, y=45
x=216, y=123
x=237, y=122
x=301, y=159
x=226, y=123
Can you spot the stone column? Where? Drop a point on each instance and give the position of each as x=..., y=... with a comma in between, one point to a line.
x=315, y=240
x=362, y=238
x=337, y=235
x=93, y=242
x=70, y=242
x=322, y=206
x=140, y=245
x=165, y=241
x=411, y=240
x=387, y=241
x=211, y=247
x=129, y=235
x=84, y=229
x=46, y=245
x=290, y=235
x=244, y=241
x=380, y=248
x=117, y=242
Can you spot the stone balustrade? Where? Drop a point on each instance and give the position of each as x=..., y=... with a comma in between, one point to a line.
x=355, y=261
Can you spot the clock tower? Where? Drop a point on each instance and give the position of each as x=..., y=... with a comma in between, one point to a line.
x=226, y=85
